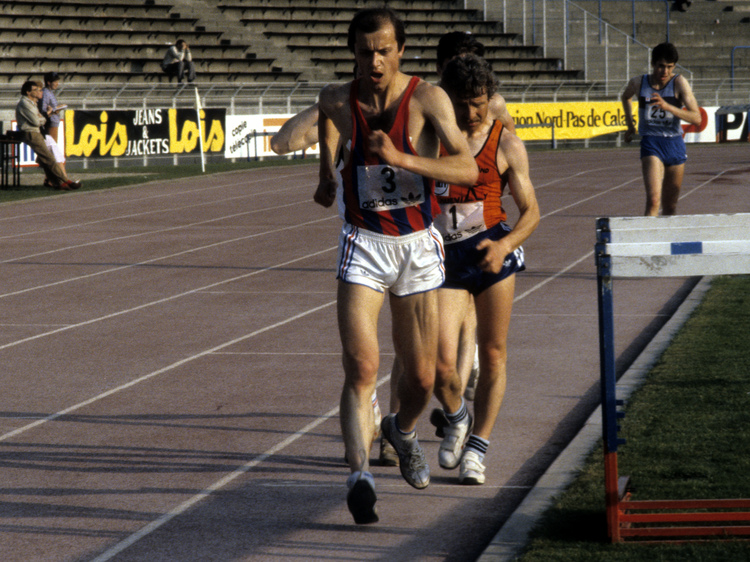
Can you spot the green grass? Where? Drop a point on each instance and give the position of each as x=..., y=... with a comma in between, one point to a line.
x=688, y=437
x=105, y=178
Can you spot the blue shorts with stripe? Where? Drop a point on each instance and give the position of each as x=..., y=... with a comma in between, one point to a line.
x=670, y=150
x=462, y=259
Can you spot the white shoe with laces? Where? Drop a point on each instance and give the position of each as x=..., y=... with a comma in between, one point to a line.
x=454, y=437
x=472, y=470
x=413, y=466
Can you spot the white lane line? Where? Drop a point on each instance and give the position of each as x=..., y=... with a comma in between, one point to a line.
x=709, y=180
x=161, y=195
x=219, y=484
x=145, y=213
x=160, y=258
x=158, y=301
x=158, y=372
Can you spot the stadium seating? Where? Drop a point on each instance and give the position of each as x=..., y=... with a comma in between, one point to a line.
x=704, y=34
x=233, y=40
x=258, y=41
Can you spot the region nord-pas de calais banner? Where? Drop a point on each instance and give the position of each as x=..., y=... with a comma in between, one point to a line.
x=143, y=132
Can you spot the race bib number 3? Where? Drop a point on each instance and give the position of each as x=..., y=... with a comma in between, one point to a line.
x=382, y=188
x=459, y=221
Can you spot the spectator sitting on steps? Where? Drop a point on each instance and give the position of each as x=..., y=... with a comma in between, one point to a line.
x=178, y=62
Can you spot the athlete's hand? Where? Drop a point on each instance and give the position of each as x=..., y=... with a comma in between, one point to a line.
x=658, y=101
x=326, y=193
x=382, y=145
x=629, y=134
x=494, y=255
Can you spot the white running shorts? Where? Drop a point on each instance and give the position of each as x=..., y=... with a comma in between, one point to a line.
x=405, y=265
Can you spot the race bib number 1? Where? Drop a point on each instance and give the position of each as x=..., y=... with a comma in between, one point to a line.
x=459, y=221
x=382, y=188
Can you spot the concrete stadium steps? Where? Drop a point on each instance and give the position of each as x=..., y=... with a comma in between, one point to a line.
x=340, y=27
x=427, y=40
x=425, y=67
x=295, y=13
x=144, y=24
x=397, y=5
x=100, y=37
x=126, y=76
x=26, y=47
x=115, y=65
x=704, y=35
x=47, y=8
x=231, y=40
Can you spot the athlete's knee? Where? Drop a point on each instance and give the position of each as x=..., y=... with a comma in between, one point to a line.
x=360, y=370
x=493, y=357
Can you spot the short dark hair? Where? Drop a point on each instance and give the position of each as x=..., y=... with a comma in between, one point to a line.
x=178, y=42
x=373, y=19
x=457, y=43
x=468, y=76
x=51, y=77
x=26, y=88
x=664, y=51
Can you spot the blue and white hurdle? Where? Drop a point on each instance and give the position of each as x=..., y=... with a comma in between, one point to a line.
x=675, y=246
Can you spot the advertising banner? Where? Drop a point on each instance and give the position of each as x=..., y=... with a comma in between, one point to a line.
x=585, y=120
x=573, y=120
x=249, y=136
x=145, y=132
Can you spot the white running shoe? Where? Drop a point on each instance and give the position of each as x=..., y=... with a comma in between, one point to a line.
x=449, y=454
x=472, y=470
x=413, y=466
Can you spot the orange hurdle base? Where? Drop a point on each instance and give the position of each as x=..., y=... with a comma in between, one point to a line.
x=683, y=520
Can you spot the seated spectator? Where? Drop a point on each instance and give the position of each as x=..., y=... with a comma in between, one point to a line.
x=30, y=123
x=178, y=62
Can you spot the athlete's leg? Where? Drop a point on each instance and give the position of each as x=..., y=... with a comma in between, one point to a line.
x=671, y=186
x=358, y=309
x=653, y=177
x=453, y=305
x=493, y=319
x=467, y=344
x=415, y=324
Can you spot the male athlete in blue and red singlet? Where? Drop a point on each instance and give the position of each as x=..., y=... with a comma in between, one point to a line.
x=391, y=126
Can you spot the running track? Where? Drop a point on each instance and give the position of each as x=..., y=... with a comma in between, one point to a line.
x=170, y=367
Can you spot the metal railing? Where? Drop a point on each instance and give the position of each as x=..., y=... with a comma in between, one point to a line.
x=279, y=98
x=581, y=39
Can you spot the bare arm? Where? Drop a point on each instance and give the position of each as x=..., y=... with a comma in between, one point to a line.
x=499, y=111
x=326, y=193
x=333, y=118
x=298, y=133
x=519, y=184
x=458, y=167
x=627, y=105
x=691, y=113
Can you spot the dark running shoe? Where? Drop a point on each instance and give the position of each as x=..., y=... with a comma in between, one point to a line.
x=361, y=498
